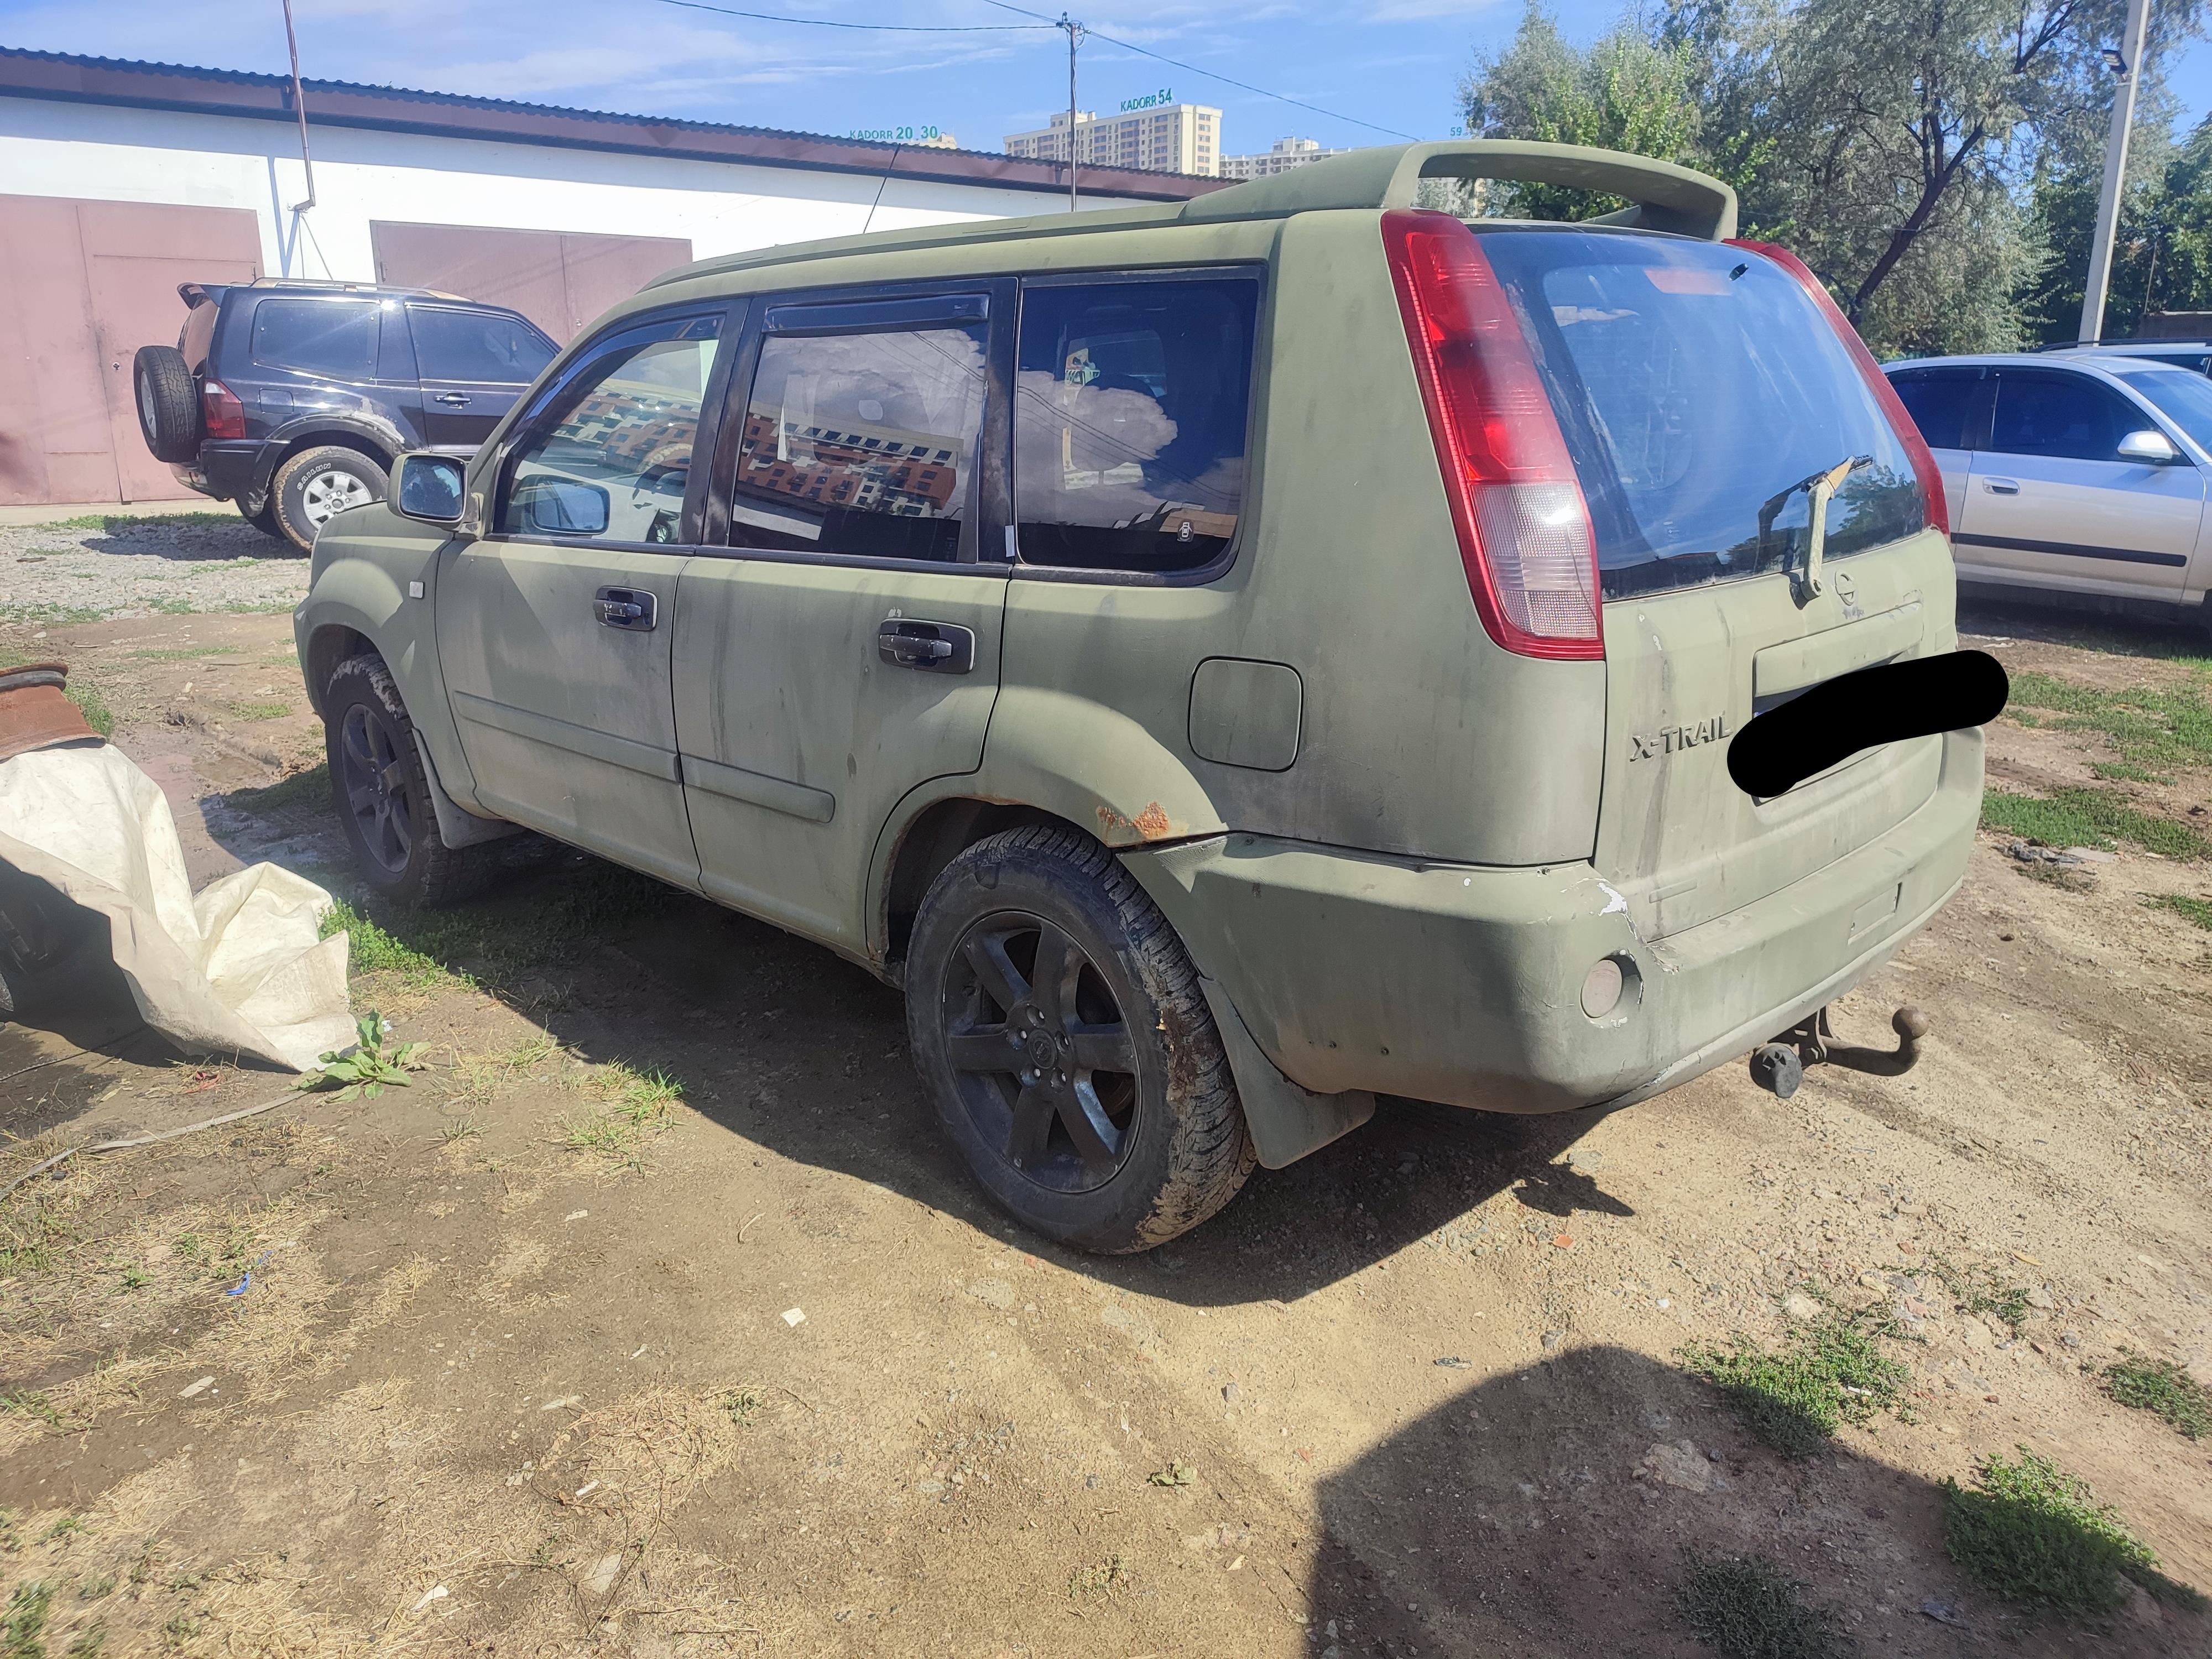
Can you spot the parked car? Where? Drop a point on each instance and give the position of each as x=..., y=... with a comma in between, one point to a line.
x=1225, y=660
x=2074, y=478
x=2196, y=355
x=293, y=399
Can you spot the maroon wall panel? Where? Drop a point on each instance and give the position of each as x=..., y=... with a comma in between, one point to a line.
x=560, y=280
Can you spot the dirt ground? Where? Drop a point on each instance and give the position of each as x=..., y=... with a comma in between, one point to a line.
x=527, y=1359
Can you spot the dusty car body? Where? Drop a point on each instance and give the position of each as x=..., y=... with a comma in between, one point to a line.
x=1301, y=686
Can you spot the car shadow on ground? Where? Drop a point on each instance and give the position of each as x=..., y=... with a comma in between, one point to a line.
x=2117, y=632
x=186, y=538
x=1556, y=1511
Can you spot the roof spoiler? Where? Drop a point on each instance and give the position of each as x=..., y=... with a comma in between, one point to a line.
x=196, y=294
x=1662, y=196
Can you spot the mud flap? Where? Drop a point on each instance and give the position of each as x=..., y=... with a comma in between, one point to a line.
x=457, y=827
x=1286, y=1121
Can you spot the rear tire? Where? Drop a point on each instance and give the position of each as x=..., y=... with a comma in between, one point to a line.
x=168, y=404
x=1058, y=1024
x=382, y=794
x=314, y=486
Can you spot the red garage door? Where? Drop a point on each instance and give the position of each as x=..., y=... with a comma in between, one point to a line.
x=83, y=286
x=560, y=280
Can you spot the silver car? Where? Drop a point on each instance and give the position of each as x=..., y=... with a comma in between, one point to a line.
x=2079, y=477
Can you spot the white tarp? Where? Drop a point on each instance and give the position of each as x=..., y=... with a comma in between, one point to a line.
x=237, y=969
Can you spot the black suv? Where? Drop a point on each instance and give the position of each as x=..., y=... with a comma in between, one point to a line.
x=295, y=398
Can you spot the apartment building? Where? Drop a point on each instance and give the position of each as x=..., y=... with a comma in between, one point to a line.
x=1151, y=134
x=1283, y=156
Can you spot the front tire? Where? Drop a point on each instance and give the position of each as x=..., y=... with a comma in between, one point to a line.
x=382, y=793
x=1058, y=1024
x=314, y=486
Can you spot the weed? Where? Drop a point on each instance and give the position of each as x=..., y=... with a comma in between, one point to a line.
x=2088, y=817
x=1747, y=1608
x=2196, y=910
x=2148, y=728
x=24, y=1620
x=1101, y=1579
x=2035, y=1534
x=136, y=1278
x=261, y=711
x=638, y=1096
x=1978, y=1291
x=2161, y=1386
x=459, y=1128
x=308, y=787
x=369, y=1069
x=62, y=1530
x=1175, y=1474
x=90, y=1644
x=743, y=1404
x=370, y=949
x=10, y=1540
x=92, y=1589
x=2066, y=878
x=1830, y=1373
x=26, y=1403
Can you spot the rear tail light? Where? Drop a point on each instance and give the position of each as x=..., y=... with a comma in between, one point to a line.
x=1915, y=447
x=1525, y=529
x=225, y=416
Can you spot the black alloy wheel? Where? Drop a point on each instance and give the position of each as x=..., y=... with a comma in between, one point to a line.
x=374, y=780
x=1041, y=1055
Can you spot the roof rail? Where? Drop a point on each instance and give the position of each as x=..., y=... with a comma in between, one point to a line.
x=1662, y=197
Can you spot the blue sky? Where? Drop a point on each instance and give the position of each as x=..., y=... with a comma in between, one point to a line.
x=1393, y=64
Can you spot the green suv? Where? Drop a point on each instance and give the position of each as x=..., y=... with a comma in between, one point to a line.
x=1224, y=660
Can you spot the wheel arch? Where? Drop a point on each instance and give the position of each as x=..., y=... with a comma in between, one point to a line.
x=936, y=831
x=373, y=440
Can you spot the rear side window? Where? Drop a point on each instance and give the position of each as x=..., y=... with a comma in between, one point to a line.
x=1130, y=402
x=608, y=456
x=334, y=338
x=2063, y=417
x=861, y=443
x=198, y=335
x=1942, y=405
x=477, y=345
x=1700, y=391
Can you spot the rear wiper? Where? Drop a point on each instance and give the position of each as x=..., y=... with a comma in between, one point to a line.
x=1820, y=488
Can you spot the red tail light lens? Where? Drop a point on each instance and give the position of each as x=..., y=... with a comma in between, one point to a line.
x=1525, y=529
x=225, y=416
x=1915, y=447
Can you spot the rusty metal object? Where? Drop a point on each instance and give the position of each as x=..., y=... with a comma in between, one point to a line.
x=35, y=711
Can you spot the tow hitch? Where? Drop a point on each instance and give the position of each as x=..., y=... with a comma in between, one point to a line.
x=1780, y=1066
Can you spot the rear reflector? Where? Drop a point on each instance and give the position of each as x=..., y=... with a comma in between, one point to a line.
x=224, y=415
x=1915, y=447
x=1525, y=529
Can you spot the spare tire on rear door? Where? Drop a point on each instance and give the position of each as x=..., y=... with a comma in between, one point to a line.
x=168, y=404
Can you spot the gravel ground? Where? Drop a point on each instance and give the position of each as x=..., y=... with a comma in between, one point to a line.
x=85, y=570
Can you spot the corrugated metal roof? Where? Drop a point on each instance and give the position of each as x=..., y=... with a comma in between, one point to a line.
x=72, y=78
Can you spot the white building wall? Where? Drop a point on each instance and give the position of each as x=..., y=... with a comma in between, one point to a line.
x=106, y=153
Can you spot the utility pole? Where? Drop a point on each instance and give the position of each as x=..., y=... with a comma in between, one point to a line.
x=1074, y=40
x=2127, y=64
x=299, y=105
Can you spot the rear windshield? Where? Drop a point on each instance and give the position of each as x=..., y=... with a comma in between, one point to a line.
x=1699, y=390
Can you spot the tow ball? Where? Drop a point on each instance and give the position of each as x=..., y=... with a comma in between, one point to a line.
x=1780, y=1066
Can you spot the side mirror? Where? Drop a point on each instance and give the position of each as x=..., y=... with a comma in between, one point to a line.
x=559, y=506
x=432, y=487
x=2152, y=448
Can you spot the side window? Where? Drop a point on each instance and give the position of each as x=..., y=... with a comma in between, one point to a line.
x=861, y=443
x=2068, y=416
x=1130, y=407
x=608, y=454
x=477, y=345
x=1941, y=405
x=332, y=337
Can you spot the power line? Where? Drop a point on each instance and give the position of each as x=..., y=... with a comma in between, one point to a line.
x=1192, y=69
x=871, y=28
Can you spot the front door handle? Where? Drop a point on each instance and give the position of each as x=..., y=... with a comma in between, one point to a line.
x=455, y=399
x=932, y=647
x=2000, y=486
x=631, y=608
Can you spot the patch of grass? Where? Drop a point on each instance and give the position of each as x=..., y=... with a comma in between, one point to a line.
x=2148, y=728
x=2068, y=879
x=1101, y=1579
x=637, y=1103
x=1747, y=1608
x=2035, y=1534
x=1977, y=1291
x=2088, y=817
x=133, y=520
x=2196, y=910
x=458, y=1128
x=2162, y=1387
x=2122, y=772
x=91, y=1590
x=371, y=950
x=261, y=711
x=292, y=793
x=62, y=1530
x=89, y=1644
x=24, y=1620
x=176, y=653
x=172, y=607
x=50, y=616
x=26, y=1403
x=1795, y=1398
x=80, y=690
x=743, y=1404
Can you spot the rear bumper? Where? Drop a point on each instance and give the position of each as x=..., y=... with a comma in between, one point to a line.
x=1462, y=984
x=233, y=469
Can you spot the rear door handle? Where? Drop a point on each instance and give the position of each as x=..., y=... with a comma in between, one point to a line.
x=932, y=647
x=455, y=398
x=2000, y=486
x=631, y=608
